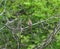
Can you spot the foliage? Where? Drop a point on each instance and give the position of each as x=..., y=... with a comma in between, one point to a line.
x=36, y=11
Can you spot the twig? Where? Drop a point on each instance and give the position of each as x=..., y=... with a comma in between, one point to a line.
x=32, y=24
x=16, y=38
x=9, y=22
x=49, y=39
x=27, y=27
x=4, y=7
x=2, y=12
x=2, y=28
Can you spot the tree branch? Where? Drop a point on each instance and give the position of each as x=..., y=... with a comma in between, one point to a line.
x=49, y=38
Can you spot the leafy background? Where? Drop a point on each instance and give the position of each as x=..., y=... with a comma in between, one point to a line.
x=36, y=10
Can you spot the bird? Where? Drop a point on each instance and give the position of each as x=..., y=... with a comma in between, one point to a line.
x=29, y=23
